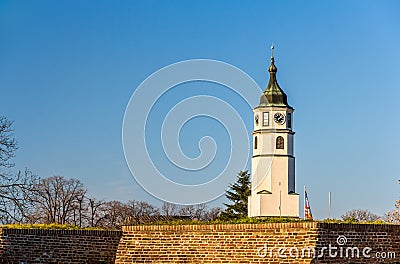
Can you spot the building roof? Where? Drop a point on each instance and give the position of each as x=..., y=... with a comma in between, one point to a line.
x=273, y=94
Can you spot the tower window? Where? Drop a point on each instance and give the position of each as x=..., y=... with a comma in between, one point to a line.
x=289, y=120
x=255, y=142
x=265, y=119
x=280, y=143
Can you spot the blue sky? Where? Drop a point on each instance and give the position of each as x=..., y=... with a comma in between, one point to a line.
x=68, y=69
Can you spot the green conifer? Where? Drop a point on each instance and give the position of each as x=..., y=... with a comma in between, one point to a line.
x=238, y=195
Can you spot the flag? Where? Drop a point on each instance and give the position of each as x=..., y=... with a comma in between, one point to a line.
x=307, y=208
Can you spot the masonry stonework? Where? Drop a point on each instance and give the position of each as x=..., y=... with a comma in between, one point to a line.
x=58, y=246
x=260, y=243
x=380, y=243
x=218, y=243
x=228, y=243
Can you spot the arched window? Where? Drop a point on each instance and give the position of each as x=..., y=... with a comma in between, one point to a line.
x=280, y=143
x=255, y=143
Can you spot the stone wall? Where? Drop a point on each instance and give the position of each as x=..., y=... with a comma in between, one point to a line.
x=58, y=246
x=261, y=243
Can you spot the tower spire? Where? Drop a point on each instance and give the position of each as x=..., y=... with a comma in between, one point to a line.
x=273, y=94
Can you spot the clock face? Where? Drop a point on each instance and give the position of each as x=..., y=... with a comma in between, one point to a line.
x=279, y=118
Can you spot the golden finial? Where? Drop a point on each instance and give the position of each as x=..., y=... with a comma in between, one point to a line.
x=272, y=68
x=272, y=50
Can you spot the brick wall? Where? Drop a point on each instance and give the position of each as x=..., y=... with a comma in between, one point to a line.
x=58, y=246
x=378, y=242
x=229, y=243
x=260, y=243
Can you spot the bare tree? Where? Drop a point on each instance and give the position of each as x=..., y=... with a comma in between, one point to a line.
x=14, y=187
x=394, y=216
x=79, y=209
x=115, y=212
x=15, y=192
x=360, y=215
x=141, y=209
x=170, y=209
x=195, y=212
x=212, y=214
x=55, y=199
x=95, y=212
x=8, y=144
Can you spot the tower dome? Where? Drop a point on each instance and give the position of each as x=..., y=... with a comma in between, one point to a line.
x=273, y=94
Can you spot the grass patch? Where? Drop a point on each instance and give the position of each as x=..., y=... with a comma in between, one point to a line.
x=53, y=226
x=258, y=220
x=354, y=221
x=244, y=220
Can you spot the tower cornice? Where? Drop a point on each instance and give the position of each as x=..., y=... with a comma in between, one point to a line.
x=273, y=130
x=274, y=107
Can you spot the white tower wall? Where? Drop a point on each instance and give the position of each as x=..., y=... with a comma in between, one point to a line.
x=273, y=162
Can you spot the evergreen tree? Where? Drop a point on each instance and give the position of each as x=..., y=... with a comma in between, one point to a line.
x=238, y=195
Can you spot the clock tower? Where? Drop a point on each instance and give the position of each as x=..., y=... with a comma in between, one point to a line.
x=273, y=163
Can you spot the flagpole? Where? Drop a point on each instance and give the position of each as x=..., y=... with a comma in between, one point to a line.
x=280, y=203
x=329, y=205
x=304, y=207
